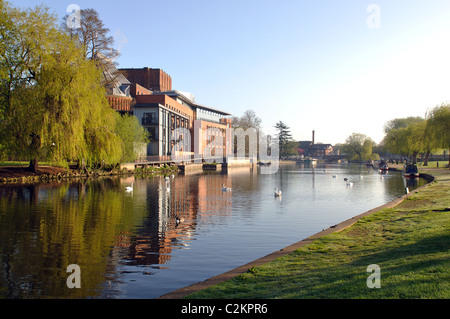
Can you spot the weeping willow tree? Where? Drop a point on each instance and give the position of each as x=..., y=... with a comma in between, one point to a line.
x=53, y=102
x=410, y=136
x=439, y=126
x=78, y=122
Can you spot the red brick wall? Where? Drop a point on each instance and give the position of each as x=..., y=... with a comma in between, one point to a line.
x=120, y=103
x=151, y=79
x=137, y=89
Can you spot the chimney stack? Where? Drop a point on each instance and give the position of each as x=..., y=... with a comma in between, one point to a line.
x=313, y=137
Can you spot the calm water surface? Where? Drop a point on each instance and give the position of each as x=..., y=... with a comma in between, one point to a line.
x=154, y=240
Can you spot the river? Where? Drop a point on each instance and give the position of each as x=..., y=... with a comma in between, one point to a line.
x=167, y=234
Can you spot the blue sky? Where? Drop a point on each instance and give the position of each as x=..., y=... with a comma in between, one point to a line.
x=315, y=65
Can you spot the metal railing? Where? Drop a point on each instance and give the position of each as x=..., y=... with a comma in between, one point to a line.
x=149, y=121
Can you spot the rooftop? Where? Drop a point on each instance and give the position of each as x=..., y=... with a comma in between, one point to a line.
x=189, y=98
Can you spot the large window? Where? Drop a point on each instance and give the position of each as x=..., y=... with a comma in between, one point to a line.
x=149, y=118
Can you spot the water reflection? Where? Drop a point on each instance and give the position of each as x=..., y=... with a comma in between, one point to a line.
x=166, y=233
x=46, y=227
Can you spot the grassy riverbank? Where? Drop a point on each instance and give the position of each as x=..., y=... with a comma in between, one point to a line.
x=17, y=172
x=410, y=243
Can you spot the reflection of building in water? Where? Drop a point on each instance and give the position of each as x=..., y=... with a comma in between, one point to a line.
x=213, y=203
x=173, y=209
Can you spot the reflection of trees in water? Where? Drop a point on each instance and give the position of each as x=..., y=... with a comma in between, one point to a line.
x=46, y=227
x=97, y=225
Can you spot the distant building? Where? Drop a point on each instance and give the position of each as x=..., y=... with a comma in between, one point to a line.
x=311, y=149
x=304, y=147
x=147, y=94
x=321, y=150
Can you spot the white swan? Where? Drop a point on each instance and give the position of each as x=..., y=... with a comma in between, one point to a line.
x=179, y=220
x=277, y=192
x=129, y=188
x=225, y=189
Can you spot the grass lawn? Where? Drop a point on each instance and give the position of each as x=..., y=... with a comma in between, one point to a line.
x=432, y=164
x=410, y=243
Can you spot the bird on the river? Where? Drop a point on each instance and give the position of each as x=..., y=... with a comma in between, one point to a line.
x=277, y=192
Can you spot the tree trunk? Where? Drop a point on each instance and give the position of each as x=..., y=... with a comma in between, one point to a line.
x=414, y=157
x=34, y=165
x=427, y=155
x=449, y=158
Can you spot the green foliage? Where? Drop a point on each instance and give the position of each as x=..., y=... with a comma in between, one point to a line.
x=284, y=137
x=132, y=134
x=53, y=104
x=414, y=135
x=401, y=122
x=439, y=125
x=359, y=147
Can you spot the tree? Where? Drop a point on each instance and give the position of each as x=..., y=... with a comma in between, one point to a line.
x=439, y=126
x=358, y=147
x=284, y=137
x=97, y=45
x=395, y=141
x=291, y=148
x=417, y=140
x=132, y=134
x=55, y=107
x=91, y=34
x=409, y=137
x=248, y=121
x=401, y=122
x=27, y=37
x=367, y=147
x=71, y=117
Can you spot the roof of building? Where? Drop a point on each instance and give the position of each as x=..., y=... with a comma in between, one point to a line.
x=304, y=144
x=320, y=146
x=117, y=82
x=211, y=109
x=189, y=98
